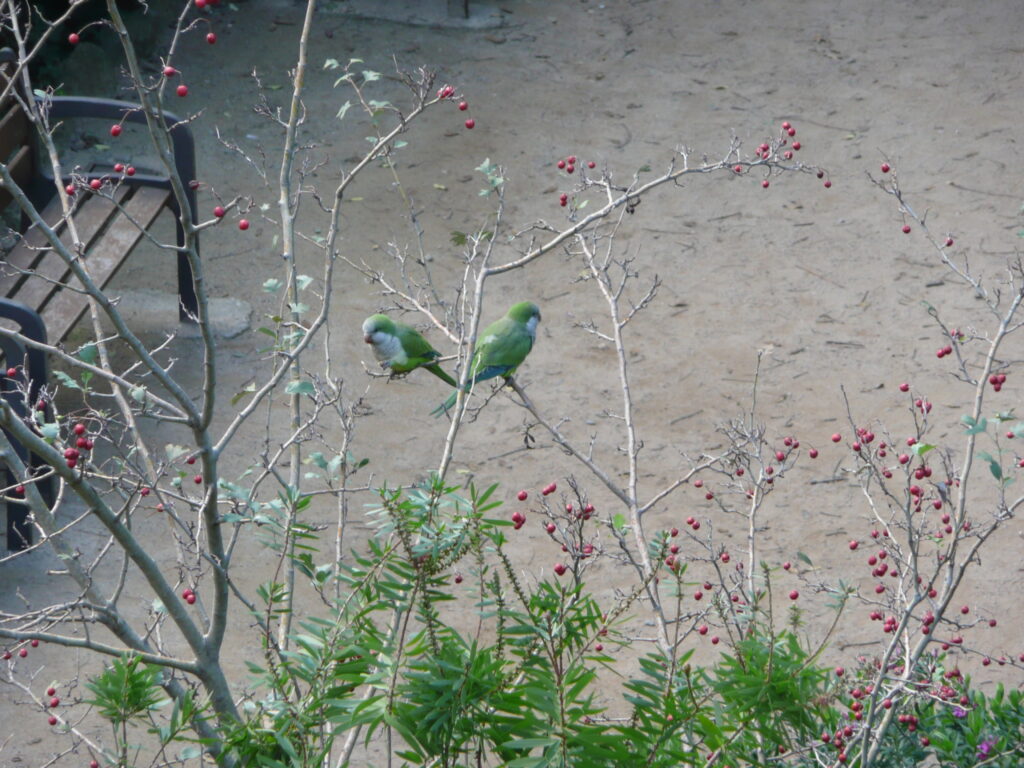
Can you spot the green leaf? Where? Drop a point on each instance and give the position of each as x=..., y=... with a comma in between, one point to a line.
x=175, y=451
x=920, y=449
x=88, y=353
x=302, y=387
x=993, y=464
x=139, y=394
x=272, y=285
x=804, y=558
x=66, y=380
x=619, y=521
x=247, y=389
x=303, y=281
x=343, y=109
x=369, y=75
x=50, y=430
x=460, y=238
x=974, y=427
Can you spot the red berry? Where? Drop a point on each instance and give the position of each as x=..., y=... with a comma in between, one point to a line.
x=560, y=164
x=182, y=90
x=218, y=211
x=211, y=38
x=51, y=691
x=190, y=598
x=115, y=130
x=765, y=184
x=836, y=437
x=95, y=184
x=854, y=544
x=118, y=167
x=54, y=702
x=787, y=565
x=828, y=184
x=949, y=241
x=170, y=71
x=463, y=105
x=796, y=146
x=791, y=131
x=34, y=643
x=522, y=495
x=130, y=170
x=793, y=595
x=885, y=167
x=906, y=229
x=243, y=224
x=51, y=720
x=7, y=655
x=23, y=652
x=840, y=671
x=591, y=164
x=570, y=168
x=559, y=568
x=786, y=125
x=12, y=373
x=813, y=453
x=79, y=429
x=550, y=528
x=547, y=490
x=73, y=38
x=471, y=123
x=571, y=159
x=200, y=3
x=198, y=479
x=458, y=578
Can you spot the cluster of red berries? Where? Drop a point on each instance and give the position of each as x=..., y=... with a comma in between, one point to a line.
x=448, y=92
x=188, y=595
x=22, y=652
x=997, y=380
x=568, y=165
x=82, y=444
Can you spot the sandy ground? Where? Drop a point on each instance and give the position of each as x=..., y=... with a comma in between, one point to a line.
x=821, y=279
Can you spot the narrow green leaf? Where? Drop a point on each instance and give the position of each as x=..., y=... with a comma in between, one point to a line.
x=302, y=387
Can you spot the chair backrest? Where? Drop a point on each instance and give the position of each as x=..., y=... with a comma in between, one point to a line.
x=15, y=132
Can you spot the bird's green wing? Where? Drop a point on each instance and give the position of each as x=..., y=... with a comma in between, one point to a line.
x=503, y=345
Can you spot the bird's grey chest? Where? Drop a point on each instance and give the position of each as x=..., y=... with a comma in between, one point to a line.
x=388, y=349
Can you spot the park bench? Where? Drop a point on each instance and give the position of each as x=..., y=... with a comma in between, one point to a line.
x=38, y=293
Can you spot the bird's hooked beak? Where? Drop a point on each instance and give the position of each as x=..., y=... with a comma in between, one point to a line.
x=368, y=338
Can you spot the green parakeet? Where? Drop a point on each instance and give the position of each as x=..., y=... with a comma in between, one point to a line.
x=400, y=348
x=501, y=347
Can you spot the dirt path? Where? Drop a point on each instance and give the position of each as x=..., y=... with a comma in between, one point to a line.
x=821, y=279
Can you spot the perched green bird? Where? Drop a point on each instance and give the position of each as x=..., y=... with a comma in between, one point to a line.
x=500, y=348
x=400, y=348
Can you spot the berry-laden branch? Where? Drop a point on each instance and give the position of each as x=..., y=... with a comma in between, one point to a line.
x=910, y=536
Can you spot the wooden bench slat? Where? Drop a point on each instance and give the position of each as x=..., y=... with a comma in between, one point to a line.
x=90, y=217
x=21, y=169
x=14, y=129
x=66, y=307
